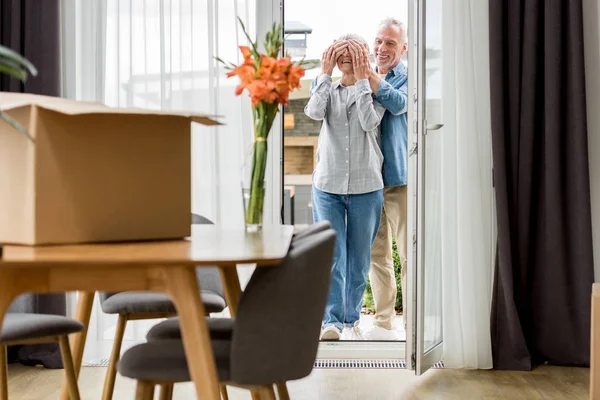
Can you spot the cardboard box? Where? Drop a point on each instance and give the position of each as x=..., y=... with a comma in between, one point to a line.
x=94, y=173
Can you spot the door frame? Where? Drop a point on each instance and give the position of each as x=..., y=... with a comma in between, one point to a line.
x=421, y=359
x=411, y=190
x=268, y=13
x=355, y=349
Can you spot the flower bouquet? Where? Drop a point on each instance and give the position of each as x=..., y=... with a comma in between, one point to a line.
x=269, y=78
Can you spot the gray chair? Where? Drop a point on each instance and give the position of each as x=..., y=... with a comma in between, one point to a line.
x=25, y=328
x=273, y=339
x=311, y=230
x=132, y=306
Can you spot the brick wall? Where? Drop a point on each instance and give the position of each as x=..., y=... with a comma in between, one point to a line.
x=299, y=160
x=303, y=126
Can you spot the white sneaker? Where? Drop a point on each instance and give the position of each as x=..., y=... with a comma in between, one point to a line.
x=357, y=332
x=330, y=333
x=378, y=333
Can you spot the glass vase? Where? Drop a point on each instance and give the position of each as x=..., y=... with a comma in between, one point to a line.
x=253, y=196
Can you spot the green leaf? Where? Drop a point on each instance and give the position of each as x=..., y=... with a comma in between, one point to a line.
x=9, y=69
x=227, y=65
x=254, y=50
x=15, y=124
x=15, y=57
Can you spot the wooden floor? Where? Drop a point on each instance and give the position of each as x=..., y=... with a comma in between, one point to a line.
x=27, y=383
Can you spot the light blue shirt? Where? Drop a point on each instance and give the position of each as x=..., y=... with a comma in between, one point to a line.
x=392, y=94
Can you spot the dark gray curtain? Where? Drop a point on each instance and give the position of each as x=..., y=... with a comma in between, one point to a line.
x=544, y=271
x=32, y=28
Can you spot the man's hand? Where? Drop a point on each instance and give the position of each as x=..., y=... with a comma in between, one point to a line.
x=374, y=80
x=360, y=60
x=330, y=56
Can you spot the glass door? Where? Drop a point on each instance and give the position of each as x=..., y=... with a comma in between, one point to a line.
x=428, y=332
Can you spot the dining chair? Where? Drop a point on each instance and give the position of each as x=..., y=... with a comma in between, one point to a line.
x=27, y=328
x=135, y=306
x=310, y=230
x=272, y=340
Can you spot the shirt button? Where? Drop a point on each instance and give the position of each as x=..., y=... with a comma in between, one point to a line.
x=346, y=149
x=346, y=124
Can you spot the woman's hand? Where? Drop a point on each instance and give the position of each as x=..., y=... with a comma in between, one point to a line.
x=330, y=56
x=360, y=60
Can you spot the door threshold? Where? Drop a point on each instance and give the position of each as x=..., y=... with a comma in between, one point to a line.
x=359, y=364
x=360, y=350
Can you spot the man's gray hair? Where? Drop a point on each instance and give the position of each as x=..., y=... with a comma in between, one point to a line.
x=390, y=21
x=348, y=36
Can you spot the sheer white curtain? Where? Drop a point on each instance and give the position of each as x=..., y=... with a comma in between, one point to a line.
x=160, y=54
x=467, y=209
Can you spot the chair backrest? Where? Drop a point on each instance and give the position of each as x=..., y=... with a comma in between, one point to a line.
x=208, y=277
x=278, y=323
x=310, y=230
x=200, y=220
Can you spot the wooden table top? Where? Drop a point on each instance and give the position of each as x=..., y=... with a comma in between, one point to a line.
x=208, y=245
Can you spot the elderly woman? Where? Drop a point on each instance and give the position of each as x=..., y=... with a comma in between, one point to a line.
x=347, y=182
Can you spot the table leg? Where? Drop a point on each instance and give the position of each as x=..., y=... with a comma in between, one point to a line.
x=232, y=288
x=183, y=288
x=85, y=302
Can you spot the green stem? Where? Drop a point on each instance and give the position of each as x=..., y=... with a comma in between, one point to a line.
x=264, y=115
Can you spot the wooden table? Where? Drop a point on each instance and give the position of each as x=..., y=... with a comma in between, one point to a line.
x=167, y=266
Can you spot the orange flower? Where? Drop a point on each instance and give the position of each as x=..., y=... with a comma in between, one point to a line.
x=258, y=91
x=247, y=55
x=246, y=73
x=294, y=76
x=283, y=63
x=239, y=89
x=283, y=91
x=269, y=80
x=266, y=69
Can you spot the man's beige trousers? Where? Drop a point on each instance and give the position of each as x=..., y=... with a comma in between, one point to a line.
x=383, y=281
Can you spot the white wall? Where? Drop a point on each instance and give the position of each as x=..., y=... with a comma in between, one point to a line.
x=591, y=27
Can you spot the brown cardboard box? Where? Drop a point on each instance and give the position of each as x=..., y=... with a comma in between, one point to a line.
x=94, y=173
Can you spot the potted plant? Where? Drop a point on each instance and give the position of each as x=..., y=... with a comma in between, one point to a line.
x=15, y=65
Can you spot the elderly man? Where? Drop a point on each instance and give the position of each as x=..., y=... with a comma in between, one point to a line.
x=389, y=83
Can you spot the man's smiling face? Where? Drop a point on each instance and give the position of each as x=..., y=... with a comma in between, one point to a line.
x=389, y=47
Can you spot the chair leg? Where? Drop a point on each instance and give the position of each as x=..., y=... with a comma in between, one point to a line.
x=65, y=352
x=224, y=394
x=144, y=390
x=166, y=391
x=282, y=391
x=265, y=392
x=111, y=373
x=3, y=374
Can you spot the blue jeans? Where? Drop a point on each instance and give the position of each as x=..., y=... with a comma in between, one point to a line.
x=355, y=218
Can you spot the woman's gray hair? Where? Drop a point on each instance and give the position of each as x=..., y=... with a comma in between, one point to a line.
x=348, y=36
x=390, y=21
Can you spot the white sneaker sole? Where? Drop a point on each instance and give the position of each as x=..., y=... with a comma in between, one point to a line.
x=330, y=335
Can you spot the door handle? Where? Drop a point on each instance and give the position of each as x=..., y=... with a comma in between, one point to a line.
x=434, y=127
